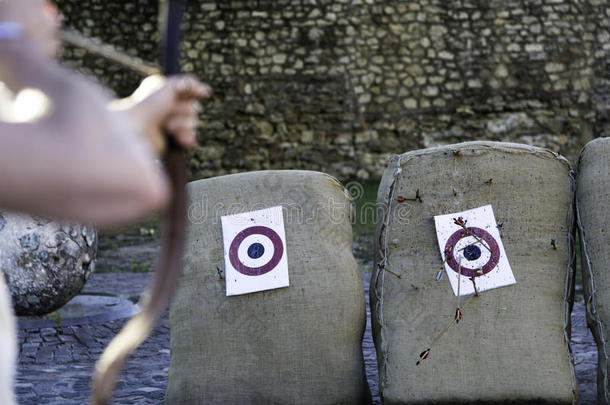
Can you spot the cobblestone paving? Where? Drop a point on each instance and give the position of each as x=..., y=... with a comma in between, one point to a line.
x=56, y=364
x=585, y=355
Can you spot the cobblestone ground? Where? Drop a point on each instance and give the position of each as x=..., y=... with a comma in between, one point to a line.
x=56, y=364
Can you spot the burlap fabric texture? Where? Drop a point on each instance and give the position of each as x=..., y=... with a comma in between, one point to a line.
x=512, y=344
x=593, y=210
x=295, y=345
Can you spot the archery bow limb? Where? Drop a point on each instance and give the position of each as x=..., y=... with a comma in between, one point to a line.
x=98, y=48
x=156, y=298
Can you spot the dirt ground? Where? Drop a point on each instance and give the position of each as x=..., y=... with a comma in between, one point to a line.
x=128, y=249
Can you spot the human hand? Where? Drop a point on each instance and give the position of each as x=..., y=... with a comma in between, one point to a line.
x=169, y=105
x=40, y=20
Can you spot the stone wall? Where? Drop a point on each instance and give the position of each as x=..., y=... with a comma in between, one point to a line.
x=339, y=85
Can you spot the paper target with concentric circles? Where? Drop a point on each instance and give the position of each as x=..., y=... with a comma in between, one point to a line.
x=472, y=251
x=255, y=251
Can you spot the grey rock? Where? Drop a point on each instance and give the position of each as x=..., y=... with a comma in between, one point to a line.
x=29, y=241
x=45, y=263
x=64, y=379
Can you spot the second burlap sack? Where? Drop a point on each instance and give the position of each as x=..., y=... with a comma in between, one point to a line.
x=512, y=344
x=593, y=208
x=294, y=345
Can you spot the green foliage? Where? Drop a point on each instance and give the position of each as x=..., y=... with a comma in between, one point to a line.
x=146, y=231
x=364, y=193
x=57, y=318
x=138, y=267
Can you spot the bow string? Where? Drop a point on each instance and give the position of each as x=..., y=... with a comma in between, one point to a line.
x=156, y=298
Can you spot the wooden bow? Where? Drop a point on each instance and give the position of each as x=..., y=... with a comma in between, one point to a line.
x=155, y=300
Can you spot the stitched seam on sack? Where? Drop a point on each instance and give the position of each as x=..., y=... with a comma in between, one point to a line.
x=569, y=286
x=540, y=152
x=336, y=183
x=592, y=298
x=493, y=146
x=383, y=262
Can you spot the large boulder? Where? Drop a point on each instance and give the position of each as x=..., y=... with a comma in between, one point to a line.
x=45, y=263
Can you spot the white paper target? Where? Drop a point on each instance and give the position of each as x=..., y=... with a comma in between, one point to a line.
x=472, y=251
x=255, y=251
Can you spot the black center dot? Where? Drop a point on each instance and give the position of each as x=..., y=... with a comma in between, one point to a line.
x=256, y=250
x=471, y=252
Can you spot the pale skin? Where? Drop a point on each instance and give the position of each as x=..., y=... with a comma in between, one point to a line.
x=86, y=158
x=84, y=161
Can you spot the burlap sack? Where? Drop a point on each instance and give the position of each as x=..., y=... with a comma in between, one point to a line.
x=295, y=345
x=593, y=203
x=513, y=342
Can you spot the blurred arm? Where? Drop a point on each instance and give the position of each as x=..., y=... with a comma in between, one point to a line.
x=80, y=161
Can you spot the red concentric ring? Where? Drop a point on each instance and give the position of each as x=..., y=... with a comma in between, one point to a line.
x=482, y=234
x=278, y=251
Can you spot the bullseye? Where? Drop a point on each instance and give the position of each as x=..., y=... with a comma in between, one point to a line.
x=256, y=250
x=472, y=252
x=255, y=259
x=481, y=245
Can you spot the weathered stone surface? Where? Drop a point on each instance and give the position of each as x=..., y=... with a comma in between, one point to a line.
x=45, y=263
x=292, y=67
x=64, y=379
